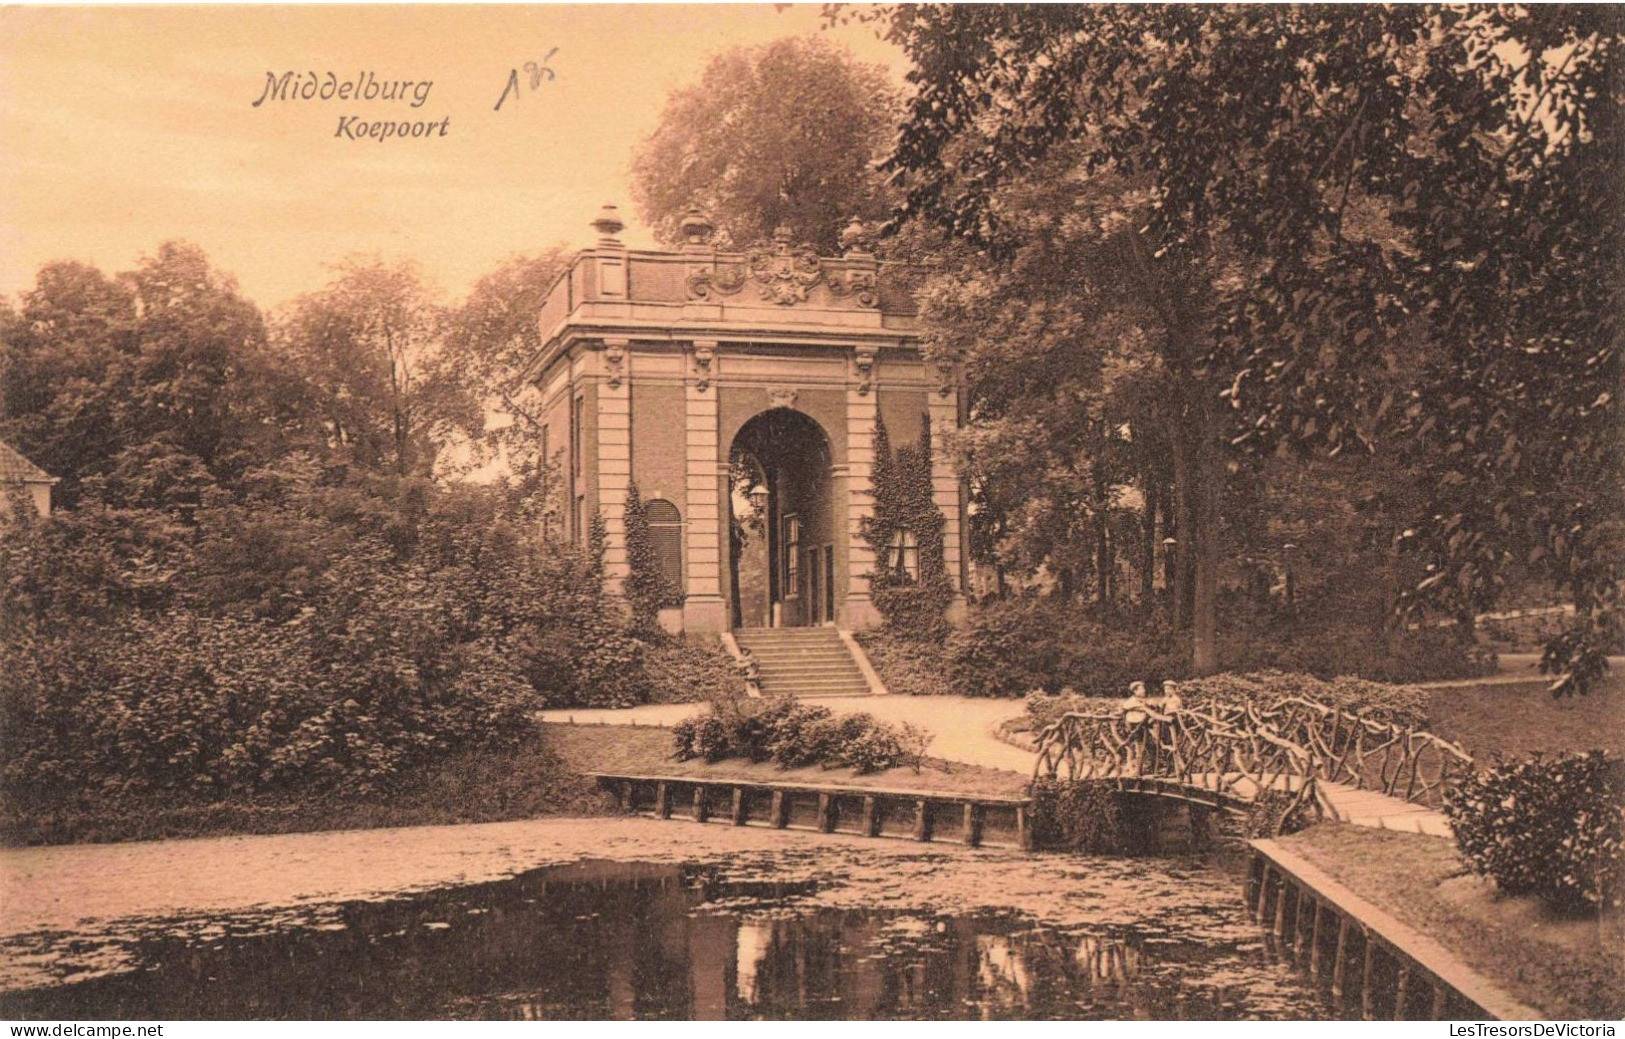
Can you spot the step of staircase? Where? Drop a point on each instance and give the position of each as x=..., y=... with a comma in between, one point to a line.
x=798, y=681
x=803, y=692
x=804, y=661
x=774, y=637
x=807, y=662
x=810, y=667
x=799, y=642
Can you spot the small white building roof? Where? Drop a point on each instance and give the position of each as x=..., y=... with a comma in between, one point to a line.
x=14, y=468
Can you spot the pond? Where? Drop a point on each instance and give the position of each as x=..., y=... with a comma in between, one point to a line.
x=1147, y=939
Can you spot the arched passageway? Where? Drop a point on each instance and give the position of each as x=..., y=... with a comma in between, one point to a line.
x=785, y=567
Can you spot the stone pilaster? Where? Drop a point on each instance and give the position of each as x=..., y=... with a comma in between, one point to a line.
x=945, y=482
x=704, y=608
x=614, y=455
x=862, y=410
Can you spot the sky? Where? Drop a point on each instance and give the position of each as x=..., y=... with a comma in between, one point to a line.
x=124, y=127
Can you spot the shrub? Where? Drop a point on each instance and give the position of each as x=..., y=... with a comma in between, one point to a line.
x=705, y=736
x=1399, y=704
x=1005, y=649
x=803, y=736
x=1011, y=647
x=390, y=625
x=588, y=662
x=1328, y=650
x=310, y=627
x=907, y=667
x=681, y=670
x=1551, y=827
x=755, y=723
x=1084, y=817
x=1047, y=708
x=797, y=735
x=878, y=747
x=194, y=703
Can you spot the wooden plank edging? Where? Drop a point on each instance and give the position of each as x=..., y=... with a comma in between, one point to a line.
x=1010, y=800
x=1404, y=940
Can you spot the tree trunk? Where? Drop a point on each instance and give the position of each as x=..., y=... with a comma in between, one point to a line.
x=1170, y=559
x=1197, y=457
x=1103, y=546
x=1209, y=490
x=1148, y=547
x=1184, y=529
x=1103, y=562
x=1198, y=487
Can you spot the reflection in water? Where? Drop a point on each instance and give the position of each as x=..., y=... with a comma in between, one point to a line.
x=625, y=941
x=751, y=942
x=1105, y=961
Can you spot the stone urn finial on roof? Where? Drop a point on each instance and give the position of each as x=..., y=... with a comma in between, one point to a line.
x=608, y=225
x=857, y=240
x=696, y=229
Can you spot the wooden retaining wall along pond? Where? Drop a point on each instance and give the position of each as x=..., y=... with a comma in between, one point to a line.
x=971, y=819
x=1377, y=966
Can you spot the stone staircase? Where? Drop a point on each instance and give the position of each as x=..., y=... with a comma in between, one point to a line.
x=803, y=662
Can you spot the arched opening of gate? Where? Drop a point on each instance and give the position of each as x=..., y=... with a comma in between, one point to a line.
x=784, y=568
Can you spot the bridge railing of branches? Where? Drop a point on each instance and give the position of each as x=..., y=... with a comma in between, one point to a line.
x=1370, y=754
x=1239, y=751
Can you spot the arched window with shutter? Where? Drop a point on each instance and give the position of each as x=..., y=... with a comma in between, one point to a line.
x=666, y=531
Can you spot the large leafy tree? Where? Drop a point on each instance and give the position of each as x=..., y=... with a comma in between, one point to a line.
x=369, y=346
x=490, y=339
x=163, y=369
x=1056, y=419
x=1377, y=229
x=783, y=134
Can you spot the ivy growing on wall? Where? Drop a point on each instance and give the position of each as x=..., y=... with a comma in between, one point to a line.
x=642, y=584
x=647, y=589
x=597, y=545
x=914, y=605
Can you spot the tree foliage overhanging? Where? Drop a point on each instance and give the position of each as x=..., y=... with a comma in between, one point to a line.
x=783, y=134
x=1391, y=231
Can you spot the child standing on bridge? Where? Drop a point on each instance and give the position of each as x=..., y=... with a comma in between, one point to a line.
x=1135, y=715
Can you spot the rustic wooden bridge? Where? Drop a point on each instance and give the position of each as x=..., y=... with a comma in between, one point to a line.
x=1323, y=759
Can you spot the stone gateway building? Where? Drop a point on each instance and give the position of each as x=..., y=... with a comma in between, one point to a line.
x=740, y=394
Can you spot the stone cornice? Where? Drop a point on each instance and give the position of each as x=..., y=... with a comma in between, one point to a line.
x=721, y=338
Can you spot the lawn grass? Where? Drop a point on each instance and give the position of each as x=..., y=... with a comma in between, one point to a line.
x=648, y=751
x=1565, y=967
x=522, y=782
x=1516, y=720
